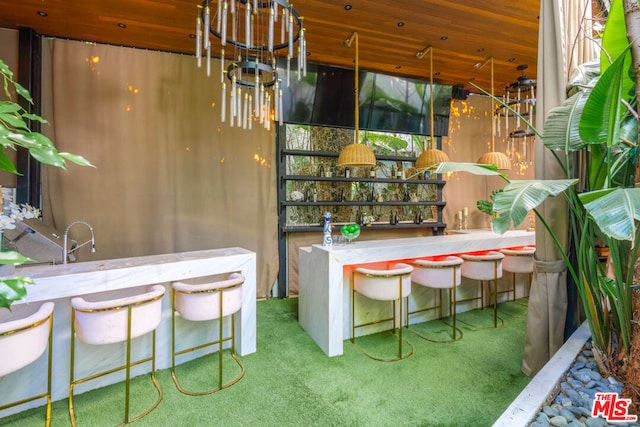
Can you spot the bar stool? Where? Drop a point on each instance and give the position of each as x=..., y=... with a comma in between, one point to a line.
x=114, y=321
x=204, y=302
x=23, y=340
x=518, y=261
x=392, y=285
x=438, y=273
x=484, y=266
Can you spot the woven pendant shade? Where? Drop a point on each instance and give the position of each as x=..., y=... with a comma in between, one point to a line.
x=500, y=160
x=431, y=157
x=356, y=155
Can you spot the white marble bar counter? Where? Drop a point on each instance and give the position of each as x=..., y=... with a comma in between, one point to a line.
x=324, y=290
x=120, y=277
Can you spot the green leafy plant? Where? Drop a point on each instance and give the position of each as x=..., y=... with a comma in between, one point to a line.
x=15, y=132
x=598, y=123
x=486, y=206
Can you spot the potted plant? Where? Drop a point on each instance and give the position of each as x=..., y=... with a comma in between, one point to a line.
x=15, y=132
x=599, y=122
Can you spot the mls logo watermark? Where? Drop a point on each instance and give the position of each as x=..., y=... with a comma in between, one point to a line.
x=612, y=408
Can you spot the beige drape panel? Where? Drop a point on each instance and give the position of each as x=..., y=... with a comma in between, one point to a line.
x=169, y=176
x=560, y=27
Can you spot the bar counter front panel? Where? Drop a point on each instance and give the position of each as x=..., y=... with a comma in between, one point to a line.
x=324, y=304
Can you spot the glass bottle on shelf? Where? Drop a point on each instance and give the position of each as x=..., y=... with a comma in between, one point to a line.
x=321, y=169
x=399, y=172
x=372, y=172
x=393, y=171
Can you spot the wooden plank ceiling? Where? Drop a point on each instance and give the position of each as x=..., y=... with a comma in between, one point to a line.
x=462, y=33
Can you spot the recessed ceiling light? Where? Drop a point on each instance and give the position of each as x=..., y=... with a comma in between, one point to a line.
x=308, y=53
x=400, y=24
x=511, y=59
x=472, y=79
x=481, y=49
x=347, y=7
x=444, y=38
x=398, y=67
x=42, y=13
x=437, y=73
x=121, y=25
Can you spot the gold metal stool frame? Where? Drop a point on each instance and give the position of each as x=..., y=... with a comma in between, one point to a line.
x=452, y=303
x=127, y=366
x=354, y=272
x=46, y=394
x=481, y=298
x=236, y=282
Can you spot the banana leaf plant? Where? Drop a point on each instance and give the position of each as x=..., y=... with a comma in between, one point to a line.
x=15, y=132
x=596, y=127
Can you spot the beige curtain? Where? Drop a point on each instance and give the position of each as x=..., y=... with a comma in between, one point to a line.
x=168, y=176
x=561, y=47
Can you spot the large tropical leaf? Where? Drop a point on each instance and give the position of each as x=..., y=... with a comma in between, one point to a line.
x=561, y=127
x=473, y=168
x=614, y=211
x=603, y=111
x=519, y=197
x=614, y=38
x=13, y=289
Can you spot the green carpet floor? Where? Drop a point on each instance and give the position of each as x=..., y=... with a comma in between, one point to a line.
x=290, y=382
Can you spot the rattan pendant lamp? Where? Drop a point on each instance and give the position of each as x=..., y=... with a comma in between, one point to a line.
x=500, y=160
x=430, y=156
x=356, y=154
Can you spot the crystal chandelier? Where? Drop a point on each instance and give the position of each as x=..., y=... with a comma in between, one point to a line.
x=254, y=33
x=520, y=96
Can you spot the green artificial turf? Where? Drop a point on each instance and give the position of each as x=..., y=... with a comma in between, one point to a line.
x=290, y=382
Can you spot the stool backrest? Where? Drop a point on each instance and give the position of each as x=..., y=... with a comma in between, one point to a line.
x=105, y=322
x=437, y=273
x=485, y=266
x=518, y=260
x=203, y=301
x=384, y=284
x=22, y=341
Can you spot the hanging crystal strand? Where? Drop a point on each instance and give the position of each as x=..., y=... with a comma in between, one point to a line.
x=239, y=104
x=233, y=7
x=219, y=16
x=507, y=114
x=303, y=41
x=283, y=24
x=245, y=117
x=271, y=24
x=299, y=60
x=232, y=108
x=208, y=60
x=207, y=23
x=276, y=110
x=280, y=118
x=290, y=31
x=261, y=103
x=255, y=6
x=267, y=110
x=223, y=108
x=247, y=26
x=199, y=40
x=288, y=70
x=518, y=107
x=256, y=89
x=533, y=96
x=222, y=66
x=275, y=11
x=223, y=38
x=250, y=107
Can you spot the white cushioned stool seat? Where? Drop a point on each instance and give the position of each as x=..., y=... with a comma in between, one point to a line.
x=112, y=321
x=23, y=339
x=442, y=272
x=211, y=300
x=518, y=261
x=485, y=266
x=393, y=285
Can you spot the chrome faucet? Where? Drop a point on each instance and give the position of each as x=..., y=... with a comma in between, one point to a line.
x=65, y=252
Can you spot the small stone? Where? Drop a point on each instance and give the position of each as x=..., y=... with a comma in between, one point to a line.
x=564, y=400
x=579, y=365
x=581, y=376
x=540, y=424
x=588, y=353
x=595, y=422
x=558, y=421
x=550, y=412
x=575, y=423
x=590, y=384
x=588, y=391
x=574, y=383
x=574, y=396
x=592, y=365
x=568, y=415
